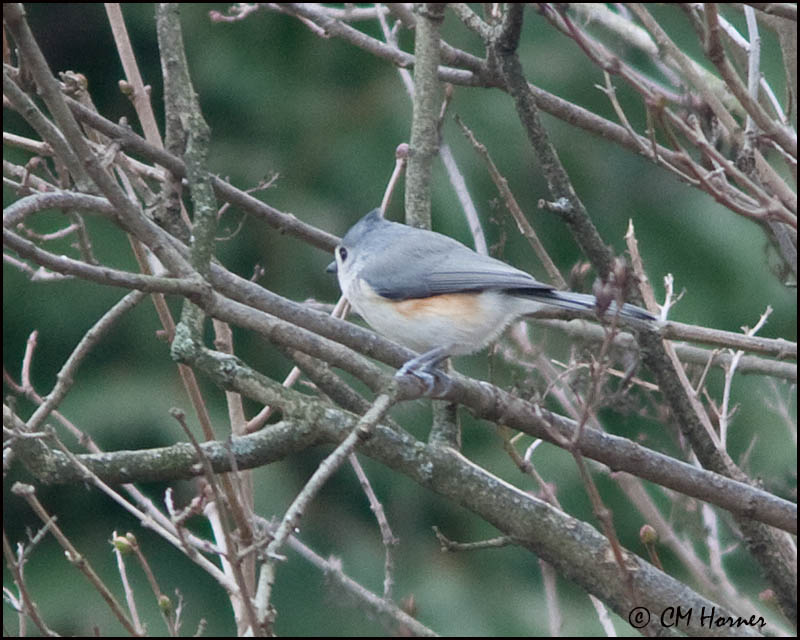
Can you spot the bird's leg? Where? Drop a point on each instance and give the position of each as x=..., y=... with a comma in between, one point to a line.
x=424, y=367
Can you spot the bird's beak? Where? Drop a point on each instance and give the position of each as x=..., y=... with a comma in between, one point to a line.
x=331, y=268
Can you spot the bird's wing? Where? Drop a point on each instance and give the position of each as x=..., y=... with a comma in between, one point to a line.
x=434, y=264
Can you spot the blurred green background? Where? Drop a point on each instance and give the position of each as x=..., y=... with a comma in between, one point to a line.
x=327, y=117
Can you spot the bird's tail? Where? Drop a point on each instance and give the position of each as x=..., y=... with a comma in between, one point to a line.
x=585, y=301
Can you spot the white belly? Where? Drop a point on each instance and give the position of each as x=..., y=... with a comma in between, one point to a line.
x=464, y=323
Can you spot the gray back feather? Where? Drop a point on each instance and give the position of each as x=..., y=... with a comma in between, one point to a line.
x=406, y=262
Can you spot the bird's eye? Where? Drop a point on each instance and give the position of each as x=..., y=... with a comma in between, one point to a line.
x=342, y=254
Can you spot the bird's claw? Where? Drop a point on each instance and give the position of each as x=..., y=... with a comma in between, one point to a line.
x=430, y=377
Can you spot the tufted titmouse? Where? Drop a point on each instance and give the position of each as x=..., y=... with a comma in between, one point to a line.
x=434, y=295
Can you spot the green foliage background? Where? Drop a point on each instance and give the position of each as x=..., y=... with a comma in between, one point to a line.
x=327, y=117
